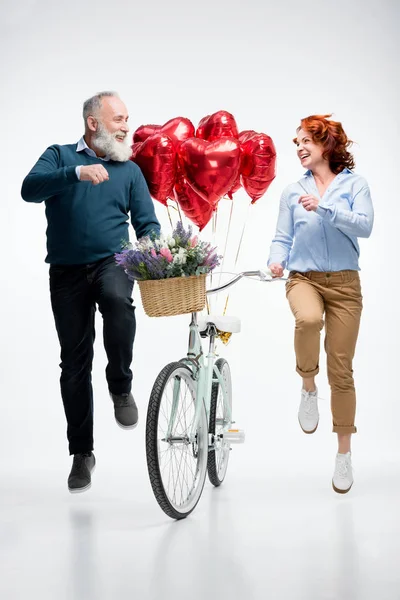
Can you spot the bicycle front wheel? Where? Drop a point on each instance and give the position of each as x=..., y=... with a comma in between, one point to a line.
x=220, y=422
x=176, y=461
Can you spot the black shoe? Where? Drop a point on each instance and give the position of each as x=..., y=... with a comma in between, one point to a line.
x=80, y=478
x=125, y=410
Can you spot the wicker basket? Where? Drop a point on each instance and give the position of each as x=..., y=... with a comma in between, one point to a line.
x=173, y=296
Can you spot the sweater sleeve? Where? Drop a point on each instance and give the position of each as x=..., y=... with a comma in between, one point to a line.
x=143, y=216
x=358, y=221
x=47, y=178
x=283, y=240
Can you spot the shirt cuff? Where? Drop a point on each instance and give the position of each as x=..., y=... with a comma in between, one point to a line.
x=323, y=212
x=78, y=172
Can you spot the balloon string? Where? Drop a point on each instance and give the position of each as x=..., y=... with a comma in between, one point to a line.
x=226, y=243
x=179, y=212
x=226, y=305
x=238, y=251
x=214, y=233
x=214, y=228
x=169, y=216
x=241, y=237
x=224, y=254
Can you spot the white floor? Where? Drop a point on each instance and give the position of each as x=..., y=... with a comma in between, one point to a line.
x=277, y=532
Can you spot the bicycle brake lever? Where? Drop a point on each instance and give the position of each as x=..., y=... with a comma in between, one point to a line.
x=265, y=275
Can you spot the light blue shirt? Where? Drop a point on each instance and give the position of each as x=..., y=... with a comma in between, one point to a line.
x=325, y=239
x=82, y=146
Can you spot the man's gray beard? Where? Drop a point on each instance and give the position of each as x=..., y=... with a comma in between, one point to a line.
x=106, y=142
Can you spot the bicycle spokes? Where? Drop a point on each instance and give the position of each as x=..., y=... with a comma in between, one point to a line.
x=181, y=452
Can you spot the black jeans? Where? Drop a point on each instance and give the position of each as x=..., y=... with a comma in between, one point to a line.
x=75, y=290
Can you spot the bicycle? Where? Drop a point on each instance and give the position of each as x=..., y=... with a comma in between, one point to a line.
x=189, y=417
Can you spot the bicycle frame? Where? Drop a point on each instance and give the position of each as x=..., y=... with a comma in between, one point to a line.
x=205, y=374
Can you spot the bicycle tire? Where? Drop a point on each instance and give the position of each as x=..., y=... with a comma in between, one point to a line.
x=170, y=371
x=218, y=461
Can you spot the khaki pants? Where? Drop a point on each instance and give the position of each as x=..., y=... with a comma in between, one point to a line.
x=338, y=296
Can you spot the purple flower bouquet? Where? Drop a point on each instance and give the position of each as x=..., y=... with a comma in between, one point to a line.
x=171, y=271
x=178, y=255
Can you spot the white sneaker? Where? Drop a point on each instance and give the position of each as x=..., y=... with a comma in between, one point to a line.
x=343, y=475
x=308, y=411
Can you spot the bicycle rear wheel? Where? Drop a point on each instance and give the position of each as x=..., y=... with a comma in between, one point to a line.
x=177, y=466
x=220, y=421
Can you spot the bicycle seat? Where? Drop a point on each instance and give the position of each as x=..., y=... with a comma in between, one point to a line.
x=222, y=323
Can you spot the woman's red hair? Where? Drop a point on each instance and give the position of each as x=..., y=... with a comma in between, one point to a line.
x=331, y=136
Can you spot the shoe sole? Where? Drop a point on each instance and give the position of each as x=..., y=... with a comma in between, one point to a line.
x=341, y=491
x=80, y=490
x=309, y=432
x=127, y=426
x=83, y=489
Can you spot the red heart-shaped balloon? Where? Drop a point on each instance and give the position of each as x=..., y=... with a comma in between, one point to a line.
x=178, y=129
x=243, y=136
x=210, y=168
x=198, y=210
x=216, y=126
x=258, y=162
x=246, y=134
x=156, y=158
x=235, y=188
x=143, y=132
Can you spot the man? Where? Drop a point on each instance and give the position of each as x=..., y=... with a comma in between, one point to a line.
x=89, y=189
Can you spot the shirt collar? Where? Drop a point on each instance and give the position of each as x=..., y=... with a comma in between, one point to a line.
x=83, y=147
x=345, y=170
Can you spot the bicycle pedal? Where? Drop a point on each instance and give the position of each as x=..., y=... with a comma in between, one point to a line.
x=234, y=436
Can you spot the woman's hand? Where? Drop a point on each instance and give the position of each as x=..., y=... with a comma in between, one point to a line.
x=276, y=269
x=309, y=202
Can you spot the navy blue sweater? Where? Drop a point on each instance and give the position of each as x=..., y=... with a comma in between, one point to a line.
x=88, y=222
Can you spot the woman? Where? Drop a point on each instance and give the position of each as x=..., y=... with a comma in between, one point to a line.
x=320, y=218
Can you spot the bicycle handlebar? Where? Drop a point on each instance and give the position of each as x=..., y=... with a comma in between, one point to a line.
x=265, y=276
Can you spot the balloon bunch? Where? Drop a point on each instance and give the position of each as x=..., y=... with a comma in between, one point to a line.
x=196, y=168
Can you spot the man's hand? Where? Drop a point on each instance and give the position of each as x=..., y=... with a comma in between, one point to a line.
x=276, y=269
x=309, y=202
x=94, y=173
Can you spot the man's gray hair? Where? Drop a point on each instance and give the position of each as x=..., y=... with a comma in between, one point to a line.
x=93, y=104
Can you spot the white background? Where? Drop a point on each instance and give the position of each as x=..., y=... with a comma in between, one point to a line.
x=270, y=64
